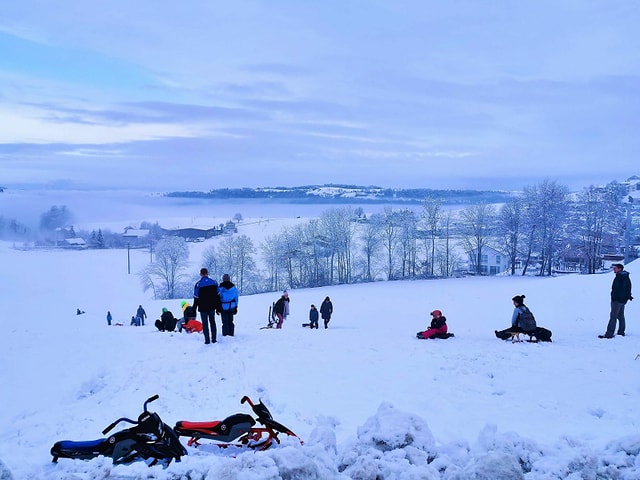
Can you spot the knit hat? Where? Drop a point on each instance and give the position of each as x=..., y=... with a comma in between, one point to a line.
x=436, y=313
x=183, y=303
x=164, y=309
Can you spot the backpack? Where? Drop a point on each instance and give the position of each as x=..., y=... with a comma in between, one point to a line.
x=526, y=320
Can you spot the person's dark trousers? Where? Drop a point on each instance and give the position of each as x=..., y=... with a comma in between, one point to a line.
x=209, y=318
x=617, y=313
x=227, y=323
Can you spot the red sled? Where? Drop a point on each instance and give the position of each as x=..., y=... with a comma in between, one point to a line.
x=238, y=430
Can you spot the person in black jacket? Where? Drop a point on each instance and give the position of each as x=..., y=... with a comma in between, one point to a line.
x=620, y=295
x=281, y=308
x=207, y=300
x=166, y=322
x=326, y=309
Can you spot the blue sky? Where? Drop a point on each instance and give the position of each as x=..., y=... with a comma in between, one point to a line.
x=195, y=95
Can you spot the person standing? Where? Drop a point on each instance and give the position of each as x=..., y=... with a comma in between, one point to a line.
x=109, y=318
x=207, y=300
x=141, y=314
x=229, y=305
x=326, y=309
x=281, y=308
x=620, y=295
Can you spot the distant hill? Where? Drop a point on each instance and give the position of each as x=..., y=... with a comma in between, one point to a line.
x=341, y=194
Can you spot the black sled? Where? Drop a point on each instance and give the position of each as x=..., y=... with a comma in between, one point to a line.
x=149, y=440
x=272, y=318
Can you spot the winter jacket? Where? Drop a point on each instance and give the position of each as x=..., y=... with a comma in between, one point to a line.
x=189, y=312
x=621, y=287
x=326, y=309
x=523, y=319
x=438, y=322
x=205, y=295
x=313, y=316
x=282, y=306
x=141, y=313
x=168, y=321
x=228, y=296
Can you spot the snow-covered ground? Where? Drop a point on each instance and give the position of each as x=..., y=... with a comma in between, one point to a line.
x=369, y=400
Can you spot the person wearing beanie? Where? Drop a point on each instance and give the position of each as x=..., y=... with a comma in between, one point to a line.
x=188, y=314
x=620, y=295
x=228, y=304
x=281, y=308
x=166, y=322
x=438, y=326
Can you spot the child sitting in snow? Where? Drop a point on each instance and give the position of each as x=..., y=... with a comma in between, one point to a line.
x=438, y=326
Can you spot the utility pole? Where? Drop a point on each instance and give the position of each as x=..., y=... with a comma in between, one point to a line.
x=128, y=258
x=627, y=232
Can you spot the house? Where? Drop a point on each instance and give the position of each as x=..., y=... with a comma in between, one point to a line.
x=193, y=234
x=135, y=233
x=492, y=261
x=75, y=242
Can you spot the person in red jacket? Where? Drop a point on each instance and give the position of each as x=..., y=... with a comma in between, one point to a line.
x=438, y=326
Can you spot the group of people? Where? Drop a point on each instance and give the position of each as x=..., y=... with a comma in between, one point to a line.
x=326, y=310
x=138, y=319
x=210, y=299
x=523, y=320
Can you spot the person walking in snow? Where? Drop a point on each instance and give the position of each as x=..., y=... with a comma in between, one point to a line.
x=141, y=314
x=207, y=300
x=109, y=318
x=438, y=326
x=326, y=310
x=281, y=308
x=620, y=295
x=229, y=305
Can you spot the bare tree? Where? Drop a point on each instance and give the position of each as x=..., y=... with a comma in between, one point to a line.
x=370, y=242
x=478, y=227
x=431, y=216
x=548, y=212
x=164, y=275
x=388, y=223
x=510, y=227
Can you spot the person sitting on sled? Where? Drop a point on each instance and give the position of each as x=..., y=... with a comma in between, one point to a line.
x=438, y=326
x=188, y=313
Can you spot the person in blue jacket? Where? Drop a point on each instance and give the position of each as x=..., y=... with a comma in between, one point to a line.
x=228, y=305
x=207, y=300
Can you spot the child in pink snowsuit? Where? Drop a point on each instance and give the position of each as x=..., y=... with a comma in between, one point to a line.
x=438, y=326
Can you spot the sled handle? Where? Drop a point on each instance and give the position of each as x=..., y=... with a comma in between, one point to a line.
x=128, y=420
x=246, y=399
x=149, y=400
x=123, y=419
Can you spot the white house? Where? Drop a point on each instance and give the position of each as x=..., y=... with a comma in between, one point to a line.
x=492, y=261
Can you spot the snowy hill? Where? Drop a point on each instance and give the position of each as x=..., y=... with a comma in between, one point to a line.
x=369, y=400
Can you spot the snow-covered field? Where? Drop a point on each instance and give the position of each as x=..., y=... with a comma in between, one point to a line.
x=369, y=399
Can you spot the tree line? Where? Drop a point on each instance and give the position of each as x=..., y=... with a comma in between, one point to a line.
x=536, y=231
